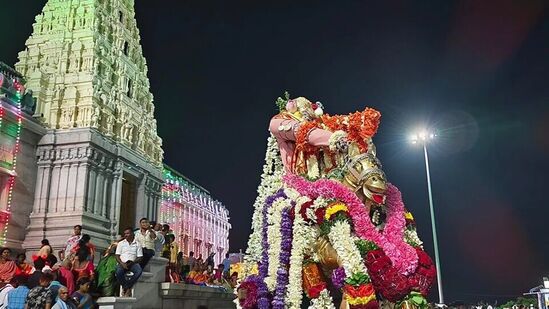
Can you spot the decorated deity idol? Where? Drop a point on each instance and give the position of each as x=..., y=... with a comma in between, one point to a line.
x=327, y=225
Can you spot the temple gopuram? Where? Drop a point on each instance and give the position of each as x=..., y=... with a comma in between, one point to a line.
x=77, y=113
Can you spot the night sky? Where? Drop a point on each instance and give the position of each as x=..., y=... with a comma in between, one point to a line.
x=477, y=71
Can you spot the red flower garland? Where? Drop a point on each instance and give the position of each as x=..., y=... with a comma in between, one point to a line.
x=394, y=286
x=373, y=304
x=314, y=291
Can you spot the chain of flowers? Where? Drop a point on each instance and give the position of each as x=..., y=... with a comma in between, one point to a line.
x=264, y=265
x=324, y=301
x=270, y=183
x=319, y=202
x=342, y=241
x=357, y=125
x=411, y=237
x=402, y=255
x=274, y=221
x=313, y=170
x=338, y=277
x=302, y=137
x=284, y=260
x=301, y=237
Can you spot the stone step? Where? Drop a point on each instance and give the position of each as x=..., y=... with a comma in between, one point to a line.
x=188, y=296
x=145, y=277
x=116, y=302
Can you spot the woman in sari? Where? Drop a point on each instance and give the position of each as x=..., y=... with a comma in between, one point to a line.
x=7, y=267
x=106, y=269
x=23, y=268
x=65, y=275
x=45, y=249
x=82, y=267
x=85, y=242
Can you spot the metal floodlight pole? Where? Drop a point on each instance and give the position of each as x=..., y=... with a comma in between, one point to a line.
x=433, y=225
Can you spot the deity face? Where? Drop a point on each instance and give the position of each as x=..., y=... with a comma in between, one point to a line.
x=364, y=176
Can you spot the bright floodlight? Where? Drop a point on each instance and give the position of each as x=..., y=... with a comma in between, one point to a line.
x=422, y=135
x=414, y=138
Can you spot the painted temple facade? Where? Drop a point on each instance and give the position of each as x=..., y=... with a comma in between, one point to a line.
x=91, y=152
x=200, y=223
x=19, y=135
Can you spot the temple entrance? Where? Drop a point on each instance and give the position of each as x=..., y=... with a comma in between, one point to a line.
x=127, y=205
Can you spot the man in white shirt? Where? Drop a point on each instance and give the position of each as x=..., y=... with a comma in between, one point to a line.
x=146, y=236
x=128, y=255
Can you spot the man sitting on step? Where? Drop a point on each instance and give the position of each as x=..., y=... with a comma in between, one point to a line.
x=146, y=236
x=128, y=255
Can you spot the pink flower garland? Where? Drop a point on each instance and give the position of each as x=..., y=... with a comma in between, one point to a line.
x=403, y=256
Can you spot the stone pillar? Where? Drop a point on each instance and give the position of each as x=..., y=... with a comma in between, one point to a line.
x=116, y=201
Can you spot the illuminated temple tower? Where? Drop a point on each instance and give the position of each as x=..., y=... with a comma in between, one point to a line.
x=99, y=163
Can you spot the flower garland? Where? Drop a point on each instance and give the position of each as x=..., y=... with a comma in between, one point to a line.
x=311, y=212
x=302, y=138
x=357, y=288
x=271, y=181
x=411, y=237
x=302, y=235
x=358, y=125
x=284, y=259
x=254, y=287
x=341, y=240
x=333, y=209
x=338, y=277
x=274, y=220
x=402, y=255
x=323, y=301
x=313, y=170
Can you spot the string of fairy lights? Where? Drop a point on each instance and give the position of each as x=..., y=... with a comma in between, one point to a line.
x=16, y=102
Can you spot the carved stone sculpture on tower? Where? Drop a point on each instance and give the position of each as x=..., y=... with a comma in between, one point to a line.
x=96, y=117
x=76, y=64
x=91, y=53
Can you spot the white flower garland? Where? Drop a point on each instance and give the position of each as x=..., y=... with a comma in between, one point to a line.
x=302, y=237
x=271, y=181
x=292, y=194
x=342, y=241
x=313, y=170
x=318, y=203
x=274, y=220
x=411, y=238
x=336, y=139
x=324, y=301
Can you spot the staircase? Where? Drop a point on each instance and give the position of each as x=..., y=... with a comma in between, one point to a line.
x=151, y=292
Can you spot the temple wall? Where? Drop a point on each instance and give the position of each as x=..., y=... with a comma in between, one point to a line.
x=79, y=181
x=200, y=222
x=23, y=190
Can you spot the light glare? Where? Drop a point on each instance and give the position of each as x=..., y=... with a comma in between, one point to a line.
x=422, y=135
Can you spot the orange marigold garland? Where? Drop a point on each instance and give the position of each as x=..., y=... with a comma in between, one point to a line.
x=302, y=137
x=358, y=125
x=313, y=280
